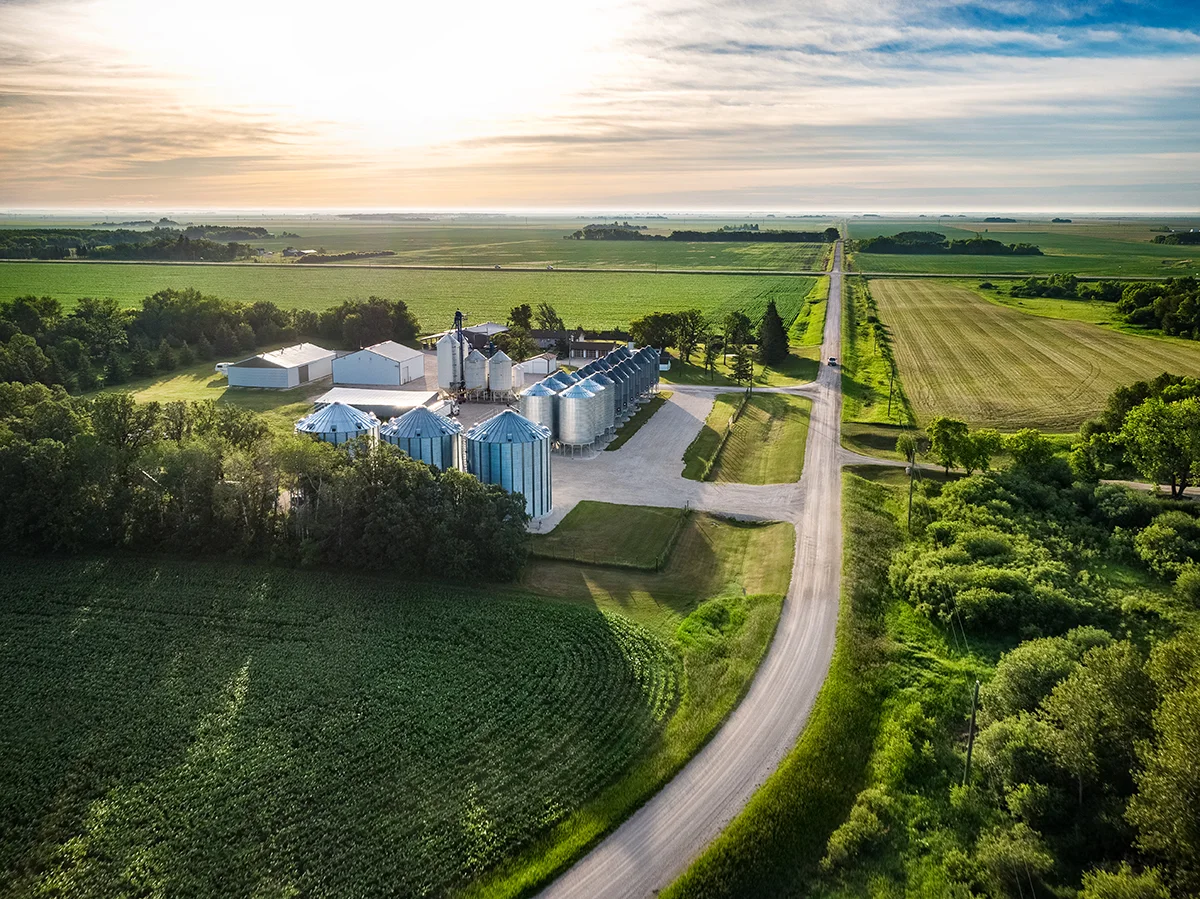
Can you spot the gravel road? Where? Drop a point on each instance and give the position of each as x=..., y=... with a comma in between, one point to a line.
x=657, y=843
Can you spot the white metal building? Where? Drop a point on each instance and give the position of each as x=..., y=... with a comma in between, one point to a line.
x=289, y=367
x=387, y=364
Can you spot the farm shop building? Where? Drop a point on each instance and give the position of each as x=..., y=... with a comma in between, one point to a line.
x=289, y=367
x=387, y=364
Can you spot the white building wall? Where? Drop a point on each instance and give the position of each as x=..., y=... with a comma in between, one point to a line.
x=278, y=378
x=366, y=367
x=321, y=368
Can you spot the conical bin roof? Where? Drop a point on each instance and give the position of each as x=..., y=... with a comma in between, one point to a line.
x=508, y=427
x=337, y=418
x=420, y=422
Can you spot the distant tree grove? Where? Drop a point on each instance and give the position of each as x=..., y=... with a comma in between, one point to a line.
x=99, y=342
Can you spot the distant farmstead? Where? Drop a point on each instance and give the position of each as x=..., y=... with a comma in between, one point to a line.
x=387, y=364
x=281, y=369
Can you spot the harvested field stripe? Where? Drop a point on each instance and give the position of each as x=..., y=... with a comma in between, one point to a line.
x=991, y=365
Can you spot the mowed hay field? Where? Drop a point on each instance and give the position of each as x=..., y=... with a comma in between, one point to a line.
x=963, y=356
x=197, y=729
x=599, y=300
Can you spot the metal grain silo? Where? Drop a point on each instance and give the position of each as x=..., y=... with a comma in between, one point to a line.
x=620, y=379
x=427, y=437
x=514, y=452
x=631, y=385
x=500, y=372
x=538, y=405
x=447, y=362
x=606, y=391
x=557, y=381
x=576, y=416
x=475, y=370
x=338, y=423
x=569, y=376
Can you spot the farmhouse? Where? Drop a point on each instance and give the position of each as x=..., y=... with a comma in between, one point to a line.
x=289, y=367
x=387, y=364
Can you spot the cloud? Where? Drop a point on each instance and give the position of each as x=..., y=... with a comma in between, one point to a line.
x=102, y=101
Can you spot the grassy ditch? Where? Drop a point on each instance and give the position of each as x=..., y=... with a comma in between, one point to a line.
x=643, y=415
x=808, y=330
x=756, y=438
x=875, y=408
x=781, y=835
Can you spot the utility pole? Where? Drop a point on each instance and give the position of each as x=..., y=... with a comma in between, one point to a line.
x=971, y=735
x=912, y=473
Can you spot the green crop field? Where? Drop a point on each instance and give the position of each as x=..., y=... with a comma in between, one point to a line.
x=989, y=364
x=514, y=241
x=597, y=300
x=1084, y=247
x=606, y=534
x=194, y=729
x=767, y=443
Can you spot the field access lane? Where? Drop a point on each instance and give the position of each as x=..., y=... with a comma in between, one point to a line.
x=657, y=843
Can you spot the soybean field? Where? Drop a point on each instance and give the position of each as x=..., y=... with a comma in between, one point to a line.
x=597, y=300
x=197, y=729
x=960, y=355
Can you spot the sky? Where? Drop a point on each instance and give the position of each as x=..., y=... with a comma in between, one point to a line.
x=654, y=105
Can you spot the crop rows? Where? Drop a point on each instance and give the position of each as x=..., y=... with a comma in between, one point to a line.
x=990, y=365
x=599, y=300
x=202, y=730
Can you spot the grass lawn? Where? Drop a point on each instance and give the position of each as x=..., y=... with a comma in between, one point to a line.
x=808, y=330
x=639, y=418
x=767, y=443
x=991, y=365
x=799, y=368
x=607, y=534
x=703, y=449
x=208, y=729
x=281, y=408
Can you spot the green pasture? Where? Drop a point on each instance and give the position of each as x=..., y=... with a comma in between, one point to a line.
x=605, y=534
x=532, y=242
x=1085, y=246
x=600, y=300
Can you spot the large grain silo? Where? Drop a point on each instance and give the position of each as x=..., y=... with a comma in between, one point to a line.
x=338, y=423
x=620, y=380
x=606, y=391
x=569, y=376
x=500, y=373
x=475, y=371
x=576, y=416
x=538, y=405
x=449, y=375
x=427, y=437
x=557, y=381
x=514, y=452
x=631, y=385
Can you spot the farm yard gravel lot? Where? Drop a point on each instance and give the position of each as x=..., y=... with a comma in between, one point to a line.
x=990, y=365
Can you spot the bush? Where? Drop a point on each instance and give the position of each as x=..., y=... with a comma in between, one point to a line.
x=1187, y=585
x=1171, y=542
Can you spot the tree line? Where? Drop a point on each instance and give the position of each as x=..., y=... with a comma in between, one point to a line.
x=1171, y=306
x=100, y=343
x=734, y=333
x=216, y=243
x=108, y=473
x=722, y=235
x=934, y=242
x=1085, y=759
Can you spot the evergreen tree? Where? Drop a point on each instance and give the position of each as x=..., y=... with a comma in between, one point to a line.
x=185, y=355
x=116, y=370
x=166, y=357
x=743, y=366
x=142, y=362
x=772, y=338
x=204, y=349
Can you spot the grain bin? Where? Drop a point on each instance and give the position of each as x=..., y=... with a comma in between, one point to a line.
x=576, y=407
x=557, y=381
x=631, y=385
x=569, y=376
x=427, y=437
x=475, y=371
x=338, y=423
x=448, y=375
x=606, y=391
x=620, y=380
x=514, y=452
x=538, y=405
x=500, y=372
